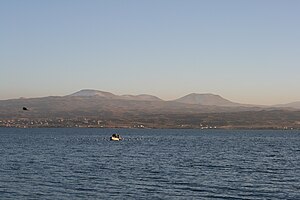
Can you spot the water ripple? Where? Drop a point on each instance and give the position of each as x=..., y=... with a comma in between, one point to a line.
x=149, y=164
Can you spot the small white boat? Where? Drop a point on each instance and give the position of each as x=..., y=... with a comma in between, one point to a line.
x=116, y=137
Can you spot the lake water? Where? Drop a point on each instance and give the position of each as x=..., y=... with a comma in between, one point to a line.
x=149, y=164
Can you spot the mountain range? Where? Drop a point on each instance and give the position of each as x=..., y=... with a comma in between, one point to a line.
x=95, y=101
x=207, y=99
x=192, y=109
x=108, y=95
x=194, y=98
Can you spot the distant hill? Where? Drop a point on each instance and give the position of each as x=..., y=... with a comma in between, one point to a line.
x=206, y=99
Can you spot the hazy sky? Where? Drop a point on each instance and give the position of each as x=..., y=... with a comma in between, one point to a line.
x=244, y=50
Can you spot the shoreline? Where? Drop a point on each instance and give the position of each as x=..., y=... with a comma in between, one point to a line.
x=153, y=128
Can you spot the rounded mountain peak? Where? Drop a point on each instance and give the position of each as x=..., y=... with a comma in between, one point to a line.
x=90, y=92
x=206, y=99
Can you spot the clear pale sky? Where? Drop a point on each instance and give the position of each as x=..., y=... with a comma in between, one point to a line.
x=246, y=51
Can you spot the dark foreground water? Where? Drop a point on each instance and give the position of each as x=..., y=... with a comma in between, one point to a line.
x=149, y=164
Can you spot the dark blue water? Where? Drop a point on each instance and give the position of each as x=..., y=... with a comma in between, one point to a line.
x=149, y=164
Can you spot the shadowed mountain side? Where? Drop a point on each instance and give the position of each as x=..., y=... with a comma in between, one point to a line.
x=264, y=119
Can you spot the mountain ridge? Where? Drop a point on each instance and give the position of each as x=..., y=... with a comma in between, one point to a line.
x=208, y=99
x=204, y=99
x=98, y=93
x=99, y=103
x=91, y=92
x=129, y=110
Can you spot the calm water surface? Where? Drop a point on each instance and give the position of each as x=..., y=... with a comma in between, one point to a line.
x=149, y=164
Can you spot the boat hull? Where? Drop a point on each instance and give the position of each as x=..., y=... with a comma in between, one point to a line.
x=114, y=139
